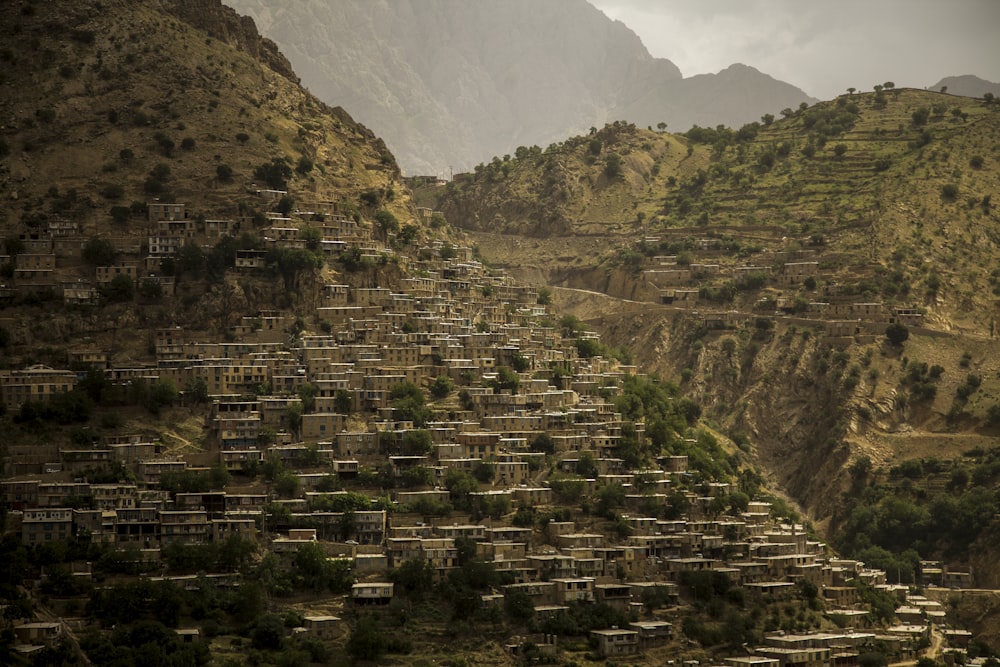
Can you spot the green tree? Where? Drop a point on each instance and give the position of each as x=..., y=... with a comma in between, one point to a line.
x=99, y=252
x=506, y=380
x=613, y=166
x=586, y=466
x=386, y=223
x=150, y=290
x=287, y=484
x=517, y=605
x=196, y=391
x=367, y=641
x=442, y=386
x=414, y=577
x=190, y=260
x=268, y=632
x=408, y=404
x=417, y=443
x=119, y=290
x=343, y=401
x=544, y=443
x=897, y=333
x=312, y=237
x=460, y=485
x=291, y=262
x=274, y=173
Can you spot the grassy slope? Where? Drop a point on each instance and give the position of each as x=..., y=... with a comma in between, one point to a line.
x=889, y=234
x=139, y=62
x=879, y=205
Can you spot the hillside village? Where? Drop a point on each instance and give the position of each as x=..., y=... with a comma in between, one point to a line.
x=288, y=413
x=318, y=433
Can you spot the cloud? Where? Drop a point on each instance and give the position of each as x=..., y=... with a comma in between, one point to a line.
x=822, y=47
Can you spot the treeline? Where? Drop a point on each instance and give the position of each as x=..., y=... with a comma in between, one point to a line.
x=143, y=615
x=921, y=509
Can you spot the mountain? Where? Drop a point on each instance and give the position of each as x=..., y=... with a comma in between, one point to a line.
x=450, y=82
x=175, y=101
x=684, y=247
x=203, y=319
x=967, y=85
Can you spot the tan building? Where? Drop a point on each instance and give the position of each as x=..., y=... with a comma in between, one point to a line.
x=35, y=383
x=616, y=642
x=49, y=524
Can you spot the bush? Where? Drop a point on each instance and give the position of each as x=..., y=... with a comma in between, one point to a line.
x=442, y=386
x=949, y=192
x=897, y=333
x=274, y=173
x=113, y=191
x=99, y=252
x=120, y=214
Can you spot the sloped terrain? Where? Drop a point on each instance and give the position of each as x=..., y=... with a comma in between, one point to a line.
x=453, y=82
x=887, y=194
x=95, y=100
x=894, y=188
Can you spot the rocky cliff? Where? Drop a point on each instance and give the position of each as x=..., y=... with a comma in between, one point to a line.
x=451, y=83
x=225, y=25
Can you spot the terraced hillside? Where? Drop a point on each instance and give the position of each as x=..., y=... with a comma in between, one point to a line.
x=761, y=268
x=898, y=180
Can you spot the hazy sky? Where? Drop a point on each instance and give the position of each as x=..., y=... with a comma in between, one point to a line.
x=822, y=46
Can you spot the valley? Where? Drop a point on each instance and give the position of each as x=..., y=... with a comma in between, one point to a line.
x=726, y=397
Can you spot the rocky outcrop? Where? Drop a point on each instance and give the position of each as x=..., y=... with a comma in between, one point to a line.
x=224, y=24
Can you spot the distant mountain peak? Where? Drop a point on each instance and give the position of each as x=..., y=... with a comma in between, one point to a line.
x=451, y=83
x=966, y=85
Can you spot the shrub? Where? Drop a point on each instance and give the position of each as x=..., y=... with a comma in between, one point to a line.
x=121, y=214
x=113, y=191
x=99, y=252
x=949, y=191
x=274, y=173
x=897, y=333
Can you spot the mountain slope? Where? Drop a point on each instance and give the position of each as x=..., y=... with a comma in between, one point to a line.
x=871, y=176
x=967, y=85
x=887, y=196
x=93, y=113
x=107, y=111
x=449, y=82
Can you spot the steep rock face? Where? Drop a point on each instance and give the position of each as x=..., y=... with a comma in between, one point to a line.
x=225, y=25
x=780, y=391
x=451, y=83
